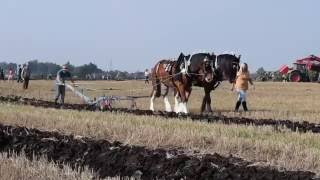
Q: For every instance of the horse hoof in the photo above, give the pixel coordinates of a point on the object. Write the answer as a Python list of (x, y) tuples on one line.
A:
[(206, 112), (182, 114)]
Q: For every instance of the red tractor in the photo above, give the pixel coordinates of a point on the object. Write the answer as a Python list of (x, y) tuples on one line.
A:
[(304, 70)]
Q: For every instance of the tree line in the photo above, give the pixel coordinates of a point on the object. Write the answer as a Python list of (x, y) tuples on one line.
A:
[(90, 71)]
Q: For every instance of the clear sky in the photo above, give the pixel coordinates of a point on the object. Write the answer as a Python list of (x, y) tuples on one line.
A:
[(135, 34)]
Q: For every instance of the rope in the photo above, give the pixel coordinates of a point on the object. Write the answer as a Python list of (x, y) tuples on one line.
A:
[(147, 88), (197, 74), (140, 89)]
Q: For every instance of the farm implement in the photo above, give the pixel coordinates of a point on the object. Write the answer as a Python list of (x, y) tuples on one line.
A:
[(103, 103), (303, 70)]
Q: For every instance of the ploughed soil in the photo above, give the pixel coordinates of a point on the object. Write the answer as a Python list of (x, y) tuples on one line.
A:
[(291, 125), (109, 159)]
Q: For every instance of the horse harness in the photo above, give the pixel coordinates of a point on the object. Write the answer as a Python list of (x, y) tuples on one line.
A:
[(168, 66), (187, 61)]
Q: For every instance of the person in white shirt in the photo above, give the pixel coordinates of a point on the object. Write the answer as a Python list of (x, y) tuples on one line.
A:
[(62, 75), (25, 76), (146, 76)]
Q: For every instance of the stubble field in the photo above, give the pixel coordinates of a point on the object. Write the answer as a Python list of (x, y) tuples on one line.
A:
[(265, 145)]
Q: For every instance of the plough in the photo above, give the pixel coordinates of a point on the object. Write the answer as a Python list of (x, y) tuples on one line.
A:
[(104, 103)]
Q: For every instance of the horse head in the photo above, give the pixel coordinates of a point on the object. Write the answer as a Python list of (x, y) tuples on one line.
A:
[(228, 66), (202, 65)]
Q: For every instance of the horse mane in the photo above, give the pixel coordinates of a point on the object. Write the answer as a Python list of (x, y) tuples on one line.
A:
[(180, 58), (227, 55)]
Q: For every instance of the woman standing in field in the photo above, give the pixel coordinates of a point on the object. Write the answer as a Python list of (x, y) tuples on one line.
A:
[(241, 85), (10, 75)]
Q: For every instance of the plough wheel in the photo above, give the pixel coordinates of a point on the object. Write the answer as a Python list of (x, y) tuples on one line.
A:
[(295, 76)]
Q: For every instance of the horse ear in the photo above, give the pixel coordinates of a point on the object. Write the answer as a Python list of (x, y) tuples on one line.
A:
[(181, 56), (213, 56), (239, 56)]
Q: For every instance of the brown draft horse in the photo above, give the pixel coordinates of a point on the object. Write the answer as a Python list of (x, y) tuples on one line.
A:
[(180, 75)]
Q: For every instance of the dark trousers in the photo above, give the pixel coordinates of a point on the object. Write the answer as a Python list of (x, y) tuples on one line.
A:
[(25, 83), (19, 78), (146, 80), (61, 90)]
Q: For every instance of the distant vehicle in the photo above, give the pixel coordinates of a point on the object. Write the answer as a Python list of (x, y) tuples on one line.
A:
[(303, 70)]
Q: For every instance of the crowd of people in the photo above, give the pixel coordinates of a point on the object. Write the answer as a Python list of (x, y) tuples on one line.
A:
[(22, 75)]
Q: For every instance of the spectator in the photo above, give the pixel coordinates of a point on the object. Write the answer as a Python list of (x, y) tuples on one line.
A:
[(19, 71), (146, 76), (10, 75), (25, 76)]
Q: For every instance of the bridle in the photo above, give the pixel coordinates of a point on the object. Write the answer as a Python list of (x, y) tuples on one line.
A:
[(208, 62)]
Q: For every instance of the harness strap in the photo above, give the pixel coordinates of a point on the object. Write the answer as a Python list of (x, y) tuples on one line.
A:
[(217, 85), (216, 62), (157, 69), (186, 65)]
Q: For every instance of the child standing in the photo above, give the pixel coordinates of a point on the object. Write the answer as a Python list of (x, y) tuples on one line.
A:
[(241, 85)]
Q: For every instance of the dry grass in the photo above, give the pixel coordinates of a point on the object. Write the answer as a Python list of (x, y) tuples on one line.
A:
[(294, 101), (19, 167), (286, 149)]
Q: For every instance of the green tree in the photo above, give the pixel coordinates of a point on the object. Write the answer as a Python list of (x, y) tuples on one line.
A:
[(261, 71)]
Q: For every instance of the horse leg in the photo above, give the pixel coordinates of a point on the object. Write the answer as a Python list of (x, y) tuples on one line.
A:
[(166, 101), (204, 103), (208, 103), (156, 90), (176, 102), (183, 105), (153, 96), (188, 93)]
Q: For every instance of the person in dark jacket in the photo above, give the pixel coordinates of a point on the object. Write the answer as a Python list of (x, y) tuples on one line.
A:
[(1, 74), (62, 76), (19, 72)]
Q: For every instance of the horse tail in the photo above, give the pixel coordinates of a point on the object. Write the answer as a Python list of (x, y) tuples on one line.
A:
[(156, 83)]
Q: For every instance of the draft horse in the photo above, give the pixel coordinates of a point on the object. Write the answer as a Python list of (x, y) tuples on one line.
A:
[(179, 75), (227, 66)]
